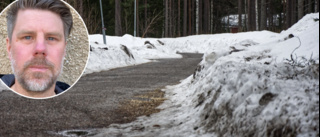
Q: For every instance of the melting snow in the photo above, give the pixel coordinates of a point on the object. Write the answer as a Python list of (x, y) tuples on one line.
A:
[(254, 92)]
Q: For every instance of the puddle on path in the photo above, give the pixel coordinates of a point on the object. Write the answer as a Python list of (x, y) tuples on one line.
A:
[(77, 133)]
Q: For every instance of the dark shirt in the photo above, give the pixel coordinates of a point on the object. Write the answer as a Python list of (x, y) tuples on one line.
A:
[(10, 79)]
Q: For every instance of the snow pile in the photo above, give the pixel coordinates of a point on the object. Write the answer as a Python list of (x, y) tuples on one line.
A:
[(219, 42), (257, 90), (256, 100), (124, 51), (2, 86), (103, 57), (106, 57), (308, 22), (146, 48)]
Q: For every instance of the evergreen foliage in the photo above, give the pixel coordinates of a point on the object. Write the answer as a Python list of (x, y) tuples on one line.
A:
[(175, 18)]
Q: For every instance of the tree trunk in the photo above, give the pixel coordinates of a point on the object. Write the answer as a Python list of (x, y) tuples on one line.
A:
[(190, 17), (271, 21), (212, 17), (289, 14), (257, 11), (170, 19), (197, 17), (246, 15), (280, 22), (294, 12), (310, 6), (240, 15), (251, 15), (118, 27), (193, 17), (200, 16), (206, 17), (300, 9), (179, 18), (263, 15), (185, 17), (166, 19), (138, 20), (145, 16), (173, 18), (317, 6)]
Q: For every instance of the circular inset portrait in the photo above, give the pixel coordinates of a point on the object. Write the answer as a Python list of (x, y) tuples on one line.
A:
[(44, 47)]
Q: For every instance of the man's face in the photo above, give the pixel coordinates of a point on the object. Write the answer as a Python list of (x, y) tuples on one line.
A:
[(37, 49)]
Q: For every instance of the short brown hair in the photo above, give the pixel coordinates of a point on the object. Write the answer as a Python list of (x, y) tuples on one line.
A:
[(55, 6)]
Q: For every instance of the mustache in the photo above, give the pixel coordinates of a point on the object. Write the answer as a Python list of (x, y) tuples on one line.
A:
[(39, 62)]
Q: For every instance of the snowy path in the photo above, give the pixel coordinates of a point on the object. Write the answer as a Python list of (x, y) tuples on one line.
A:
[(92, 101)]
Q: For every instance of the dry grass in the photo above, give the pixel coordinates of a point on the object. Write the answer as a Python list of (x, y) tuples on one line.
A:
[(141, 105)]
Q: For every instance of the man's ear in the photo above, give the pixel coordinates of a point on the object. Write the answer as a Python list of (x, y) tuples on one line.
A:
[(8, 47)]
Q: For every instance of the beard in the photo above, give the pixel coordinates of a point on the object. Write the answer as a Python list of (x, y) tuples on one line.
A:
[(36, 81)]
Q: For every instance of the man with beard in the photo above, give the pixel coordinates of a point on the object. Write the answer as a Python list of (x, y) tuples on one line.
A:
[(36, 45)]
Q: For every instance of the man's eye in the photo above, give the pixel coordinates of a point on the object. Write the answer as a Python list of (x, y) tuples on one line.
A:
[(51, 38), (28, 37)]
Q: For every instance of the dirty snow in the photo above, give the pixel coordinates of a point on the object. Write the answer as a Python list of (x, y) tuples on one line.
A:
[(2, 86), (254, 92), (106, 57), (258, 91)]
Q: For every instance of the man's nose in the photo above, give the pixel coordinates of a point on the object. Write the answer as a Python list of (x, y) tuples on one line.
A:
[(40, 47)]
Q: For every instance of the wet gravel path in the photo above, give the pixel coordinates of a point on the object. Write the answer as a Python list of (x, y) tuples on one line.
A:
[(92, 102)]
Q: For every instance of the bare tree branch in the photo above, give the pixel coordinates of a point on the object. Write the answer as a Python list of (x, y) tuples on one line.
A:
[(153, 21)]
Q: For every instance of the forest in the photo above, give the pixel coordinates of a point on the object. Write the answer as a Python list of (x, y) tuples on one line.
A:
[(176, 18)]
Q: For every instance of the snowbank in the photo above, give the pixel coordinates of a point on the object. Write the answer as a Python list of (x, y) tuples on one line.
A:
[(2, 87), (124, 51), (106, 57), (260, 90), (218, 42)]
